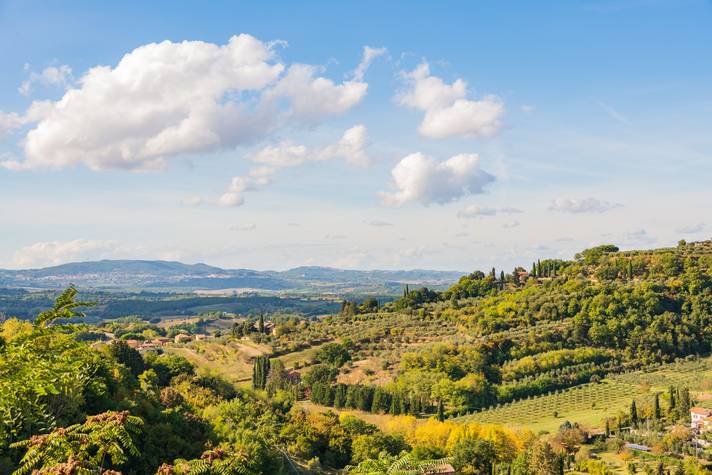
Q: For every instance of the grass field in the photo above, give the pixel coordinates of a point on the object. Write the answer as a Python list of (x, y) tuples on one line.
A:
[(233, 360), (589, 404)]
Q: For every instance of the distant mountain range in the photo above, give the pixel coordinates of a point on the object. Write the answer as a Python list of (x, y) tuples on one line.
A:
[(170, 275)]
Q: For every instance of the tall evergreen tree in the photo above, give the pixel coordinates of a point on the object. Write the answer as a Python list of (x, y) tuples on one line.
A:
[(685, 402), (671, 399), (260, 371), (441, 411), (633, 414), (656, 407)]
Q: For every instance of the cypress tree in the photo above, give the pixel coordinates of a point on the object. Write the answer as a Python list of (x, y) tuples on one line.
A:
[(376, 403), (501, 276), (261, 326), (671, 397), (633, 414), (685, 402), (656, 407), (441, 411), (608, 428)]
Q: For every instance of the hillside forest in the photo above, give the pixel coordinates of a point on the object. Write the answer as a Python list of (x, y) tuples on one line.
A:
[(401, 386)]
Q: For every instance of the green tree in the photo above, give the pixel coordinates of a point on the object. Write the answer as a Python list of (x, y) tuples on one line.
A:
[(543, 460), (65, 307), (127, 356), (473, 456), (260, 371), (103, 441)]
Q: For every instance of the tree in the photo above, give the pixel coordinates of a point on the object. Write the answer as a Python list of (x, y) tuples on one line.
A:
[(127, 356), (633, 414), (656, 407), (260, 371), (401, 464), (261, 324), (103, 441), (333, 354), (543, 460), (441, 410), (64, 307), (685, 403), (473, 456)]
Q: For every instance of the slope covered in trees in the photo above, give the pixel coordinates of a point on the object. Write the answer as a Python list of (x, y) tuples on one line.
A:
[(561, 324)]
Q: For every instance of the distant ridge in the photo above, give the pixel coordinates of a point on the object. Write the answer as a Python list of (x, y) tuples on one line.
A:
[(173, 275)]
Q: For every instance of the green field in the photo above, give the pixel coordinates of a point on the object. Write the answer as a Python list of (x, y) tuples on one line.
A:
[(589, 404)]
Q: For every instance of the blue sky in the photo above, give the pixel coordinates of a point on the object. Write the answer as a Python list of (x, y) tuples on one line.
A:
[(481, 134)]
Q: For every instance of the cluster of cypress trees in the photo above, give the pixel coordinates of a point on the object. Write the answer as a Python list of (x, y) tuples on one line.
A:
[(548, 270), (260, 371), (367, 398)]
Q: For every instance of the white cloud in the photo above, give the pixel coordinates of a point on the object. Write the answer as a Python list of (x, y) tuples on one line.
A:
[(315, 97), (9, 122), (50, 76), (448, 112), (273, 158), (369, 54), (510, 224), (243, 227), (527, 108), (423, 179), (378, 223), (58, 252), (510, 210), (582, 205), (474, 211), (166, 99), (192, 200), (691, 229)]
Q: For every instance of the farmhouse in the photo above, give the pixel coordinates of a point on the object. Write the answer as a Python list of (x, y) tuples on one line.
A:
[(701, 418), (182, 338)]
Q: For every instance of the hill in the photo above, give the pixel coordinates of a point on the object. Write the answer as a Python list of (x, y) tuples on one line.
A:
[(169, 275)]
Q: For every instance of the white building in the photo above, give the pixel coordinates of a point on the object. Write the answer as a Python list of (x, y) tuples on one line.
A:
[(701, 418)]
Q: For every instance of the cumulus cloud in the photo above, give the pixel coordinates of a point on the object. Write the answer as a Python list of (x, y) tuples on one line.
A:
[(369, 54), (273, 158), (313, 97), (474, 211), (691, 229), (426, 180), (50, 76), (58, 252), (448, 111), (582, 205), (166, 99)]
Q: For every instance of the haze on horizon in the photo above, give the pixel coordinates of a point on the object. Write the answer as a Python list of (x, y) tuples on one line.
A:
[(352, 135)]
